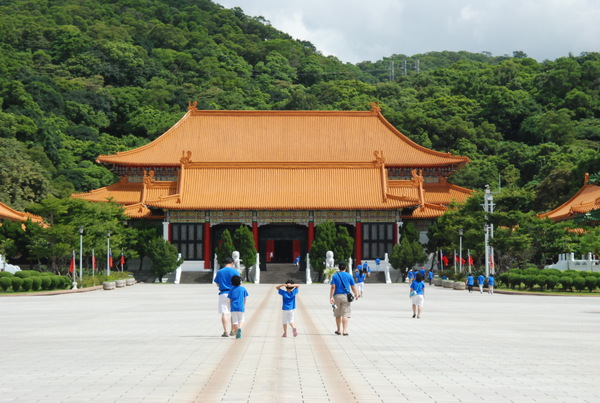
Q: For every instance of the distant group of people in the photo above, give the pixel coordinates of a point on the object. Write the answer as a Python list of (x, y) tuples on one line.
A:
[(491, 282)]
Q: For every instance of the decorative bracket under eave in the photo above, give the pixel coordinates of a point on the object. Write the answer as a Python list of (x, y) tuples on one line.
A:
[(380, 163), (417, 177)]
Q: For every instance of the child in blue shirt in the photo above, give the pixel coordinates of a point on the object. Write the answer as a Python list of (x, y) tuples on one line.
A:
[(470, 281), (237, 295), (480, 282), (417, 295), (289, 304), (491, 284)]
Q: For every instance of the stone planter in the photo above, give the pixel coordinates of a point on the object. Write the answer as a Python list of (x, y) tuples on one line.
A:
[(447, 283), (437, 282), (120, 283), (459, 285), (129, 281), (108, 285)]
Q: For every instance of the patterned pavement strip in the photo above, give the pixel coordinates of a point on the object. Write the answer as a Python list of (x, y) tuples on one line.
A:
[(161, 343)]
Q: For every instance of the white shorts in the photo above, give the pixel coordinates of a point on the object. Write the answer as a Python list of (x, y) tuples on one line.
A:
[(224, 303), (360, 286), (287, 316), (237, 318), (418, 300)]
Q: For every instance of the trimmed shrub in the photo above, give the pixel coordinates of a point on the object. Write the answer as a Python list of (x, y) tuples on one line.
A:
[(57, 282), (579, 283), (46, 282), (67, 282), (515, 271), (515, 280), (551, 282), (5, 283), (529, 280), (591, 282), (531, 271), (5, 274), (551, 272), (16, 283), (540, 281), (566, 282), (37, 283), (27, 273), (503, 278), (27, 284)]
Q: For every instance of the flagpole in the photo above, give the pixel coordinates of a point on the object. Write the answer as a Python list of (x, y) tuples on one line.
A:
[(454, 260), (93, 263), (469, 255)]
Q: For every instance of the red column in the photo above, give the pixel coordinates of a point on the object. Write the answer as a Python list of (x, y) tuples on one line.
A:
[(207, 243), (311, 233), (255, 234), (358, 243), (395, 233)]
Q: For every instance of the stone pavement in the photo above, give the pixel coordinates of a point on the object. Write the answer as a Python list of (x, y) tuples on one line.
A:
[(161, 343)]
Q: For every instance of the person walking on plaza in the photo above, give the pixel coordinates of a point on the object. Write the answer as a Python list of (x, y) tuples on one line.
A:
[(237, 295), (341, 284), (470, 281), (411, 276), (360, 276), (430, 275), (223, 281), (417, 295), (480, 282), (289, 305), (491, 283)]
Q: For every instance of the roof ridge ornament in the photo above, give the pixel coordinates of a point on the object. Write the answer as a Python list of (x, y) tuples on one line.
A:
[(193, 106), (379, 158), (186, 157), (376, 107)]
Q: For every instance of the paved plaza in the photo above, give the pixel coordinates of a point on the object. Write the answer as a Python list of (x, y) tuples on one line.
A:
[(161, 343)]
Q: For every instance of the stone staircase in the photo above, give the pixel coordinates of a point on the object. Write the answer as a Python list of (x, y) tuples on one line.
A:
[(278, 273)]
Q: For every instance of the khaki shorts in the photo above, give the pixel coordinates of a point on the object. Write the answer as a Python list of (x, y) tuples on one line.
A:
[(287, 316), (343, 307)]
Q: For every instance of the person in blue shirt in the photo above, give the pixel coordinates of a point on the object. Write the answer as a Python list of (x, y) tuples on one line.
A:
[(341, 285), (430, 275), (289, 305), (223, 281), (237, 295), (422, 272), (480, 282), (491, 284), (359, 277), (470, 281), (417, 295), (410, 276), (297, 261)]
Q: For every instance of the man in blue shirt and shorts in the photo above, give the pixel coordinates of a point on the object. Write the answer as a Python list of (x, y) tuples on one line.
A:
[(341, 284), (223, 281)]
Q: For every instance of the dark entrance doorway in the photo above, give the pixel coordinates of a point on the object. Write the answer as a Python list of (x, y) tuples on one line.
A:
[(282, 243)]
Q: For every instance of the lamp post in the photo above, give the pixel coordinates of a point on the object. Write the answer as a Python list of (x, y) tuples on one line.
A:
[(108, 253), (80, 252), (460, 233)]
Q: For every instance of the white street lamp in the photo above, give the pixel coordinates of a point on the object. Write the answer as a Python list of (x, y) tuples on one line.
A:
[(80, 252), (108, 253)]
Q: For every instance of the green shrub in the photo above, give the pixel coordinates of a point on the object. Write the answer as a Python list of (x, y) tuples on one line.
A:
[(591, 282), (27, 284), (27, 273), (540, 281), (579, 283), (503, 278), (5, 283), (37, 283), (551, 282), (515, 271), (67, 282), (16, 283), (57, 282), (515, 280), (551, 272), (529, 280), (6, 274), (566, 282), (46, 282), (531, 271)]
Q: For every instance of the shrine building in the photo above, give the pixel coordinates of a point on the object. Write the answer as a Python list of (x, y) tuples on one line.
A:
[(10, 214), (281, 173)]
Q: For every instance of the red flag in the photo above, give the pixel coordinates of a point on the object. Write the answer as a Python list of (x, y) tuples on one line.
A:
[(93, 261), (110, 262), (471, 260), (122, 259), (492, 260), (72, 265)]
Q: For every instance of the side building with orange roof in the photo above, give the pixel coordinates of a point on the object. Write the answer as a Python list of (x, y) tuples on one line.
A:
[(7, 213), (586, 200), (281, 173)]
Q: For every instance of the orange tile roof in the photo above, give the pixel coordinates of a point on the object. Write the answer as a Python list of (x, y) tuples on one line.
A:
[(445, 193), (260, 188), (128, 193), (586, 199), (8, 213), (283, 136)]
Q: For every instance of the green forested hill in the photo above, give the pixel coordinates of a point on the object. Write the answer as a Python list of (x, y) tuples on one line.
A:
[(83, 78)]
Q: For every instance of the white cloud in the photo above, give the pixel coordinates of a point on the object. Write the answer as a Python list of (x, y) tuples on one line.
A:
[(354, 30)]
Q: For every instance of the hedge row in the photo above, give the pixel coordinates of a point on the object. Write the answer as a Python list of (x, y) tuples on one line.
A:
[(31, 280), (550, 279)]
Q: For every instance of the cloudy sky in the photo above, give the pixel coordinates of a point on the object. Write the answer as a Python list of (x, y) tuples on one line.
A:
[(358, 30)]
